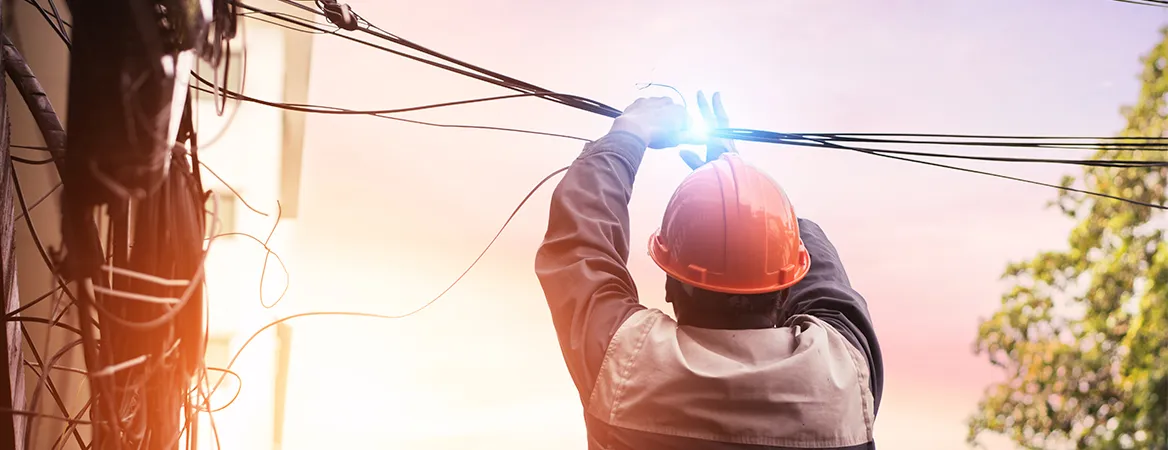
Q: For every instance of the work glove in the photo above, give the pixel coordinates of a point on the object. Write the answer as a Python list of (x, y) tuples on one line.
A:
[(715, 118), (658, 121)]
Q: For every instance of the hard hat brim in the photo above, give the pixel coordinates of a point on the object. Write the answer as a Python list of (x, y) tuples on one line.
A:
[(660, 256)]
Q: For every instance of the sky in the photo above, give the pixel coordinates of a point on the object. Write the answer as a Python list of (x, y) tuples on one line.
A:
[(391, 213)]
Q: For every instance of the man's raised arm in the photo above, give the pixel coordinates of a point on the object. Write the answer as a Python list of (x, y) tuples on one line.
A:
[(581, 264)]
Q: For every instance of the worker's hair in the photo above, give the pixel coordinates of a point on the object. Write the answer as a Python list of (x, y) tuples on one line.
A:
[(697, 299)]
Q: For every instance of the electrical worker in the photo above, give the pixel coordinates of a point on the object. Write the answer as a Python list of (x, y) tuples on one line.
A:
[(771, 348)]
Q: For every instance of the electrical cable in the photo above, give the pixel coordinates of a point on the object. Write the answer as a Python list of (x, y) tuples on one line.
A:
[(441, 294), (47, 16), (41, 200), (331, 109), (226, 124), (54, 135), (760, 136), (788, 138), (42, 320), (31, 162), (61, 368), (510, 82), (165, 318), (300, 107), (1117, 143), (221, 105), (52, 132), (32, 303), (237, 390), (1007, 177), (73, 426), (505, 81), (97, 387), (252, 16), (201, 383), (21, 412), (36, 238), (57, 15), (226, 74), (44, 380), (242, 85), (799, 139), (471, 71), (1145, 2), (232, 189), (267, 253)]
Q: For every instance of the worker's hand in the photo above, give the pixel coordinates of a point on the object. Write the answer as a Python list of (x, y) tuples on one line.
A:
[(715, 118), (657, 121)]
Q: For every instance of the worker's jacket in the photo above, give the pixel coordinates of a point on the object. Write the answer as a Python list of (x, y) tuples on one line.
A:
[(648, 383)]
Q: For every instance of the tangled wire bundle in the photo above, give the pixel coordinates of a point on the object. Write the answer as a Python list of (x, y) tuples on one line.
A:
[(136, 285)]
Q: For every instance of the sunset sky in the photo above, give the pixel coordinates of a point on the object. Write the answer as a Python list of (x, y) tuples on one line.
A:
[(392, 213)]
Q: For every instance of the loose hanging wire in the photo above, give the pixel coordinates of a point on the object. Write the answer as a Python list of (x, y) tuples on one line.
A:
[(412, 312)]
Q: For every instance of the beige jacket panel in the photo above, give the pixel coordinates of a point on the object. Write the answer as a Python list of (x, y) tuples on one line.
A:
[(802, 385)]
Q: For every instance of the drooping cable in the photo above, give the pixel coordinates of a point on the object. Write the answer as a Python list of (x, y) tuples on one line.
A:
[(412, 312), (384, 114), (451, 64)]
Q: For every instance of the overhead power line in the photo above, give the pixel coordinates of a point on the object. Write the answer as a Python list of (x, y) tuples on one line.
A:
[(839, 141), (1160, 3), (798, 139), (384, 114), (1100, 143), (822, 140), (513, 83)]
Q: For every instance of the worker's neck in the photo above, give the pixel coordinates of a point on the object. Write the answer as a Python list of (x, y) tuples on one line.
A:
[(715, 321)]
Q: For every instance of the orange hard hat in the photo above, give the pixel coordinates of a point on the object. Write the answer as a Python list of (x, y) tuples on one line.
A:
[(730, 228)]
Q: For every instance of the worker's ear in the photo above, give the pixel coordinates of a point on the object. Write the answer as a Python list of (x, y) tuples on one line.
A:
[(692, 159)]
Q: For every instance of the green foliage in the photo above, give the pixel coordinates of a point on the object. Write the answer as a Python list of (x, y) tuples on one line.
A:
[(1083, 335)]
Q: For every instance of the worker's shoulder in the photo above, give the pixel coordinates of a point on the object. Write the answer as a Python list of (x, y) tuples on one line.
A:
[(660, 377), (798, 327), (805, 350), (806, 341)]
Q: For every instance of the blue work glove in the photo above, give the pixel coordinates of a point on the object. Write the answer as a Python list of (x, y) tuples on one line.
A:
[(715, 118)]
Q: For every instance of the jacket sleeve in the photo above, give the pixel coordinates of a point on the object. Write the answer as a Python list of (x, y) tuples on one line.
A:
[(581, 264), (826, 293)]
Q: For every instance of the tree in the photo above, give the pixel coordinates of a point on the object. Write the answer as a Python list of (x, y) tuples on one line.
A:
[(1083, 334)]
